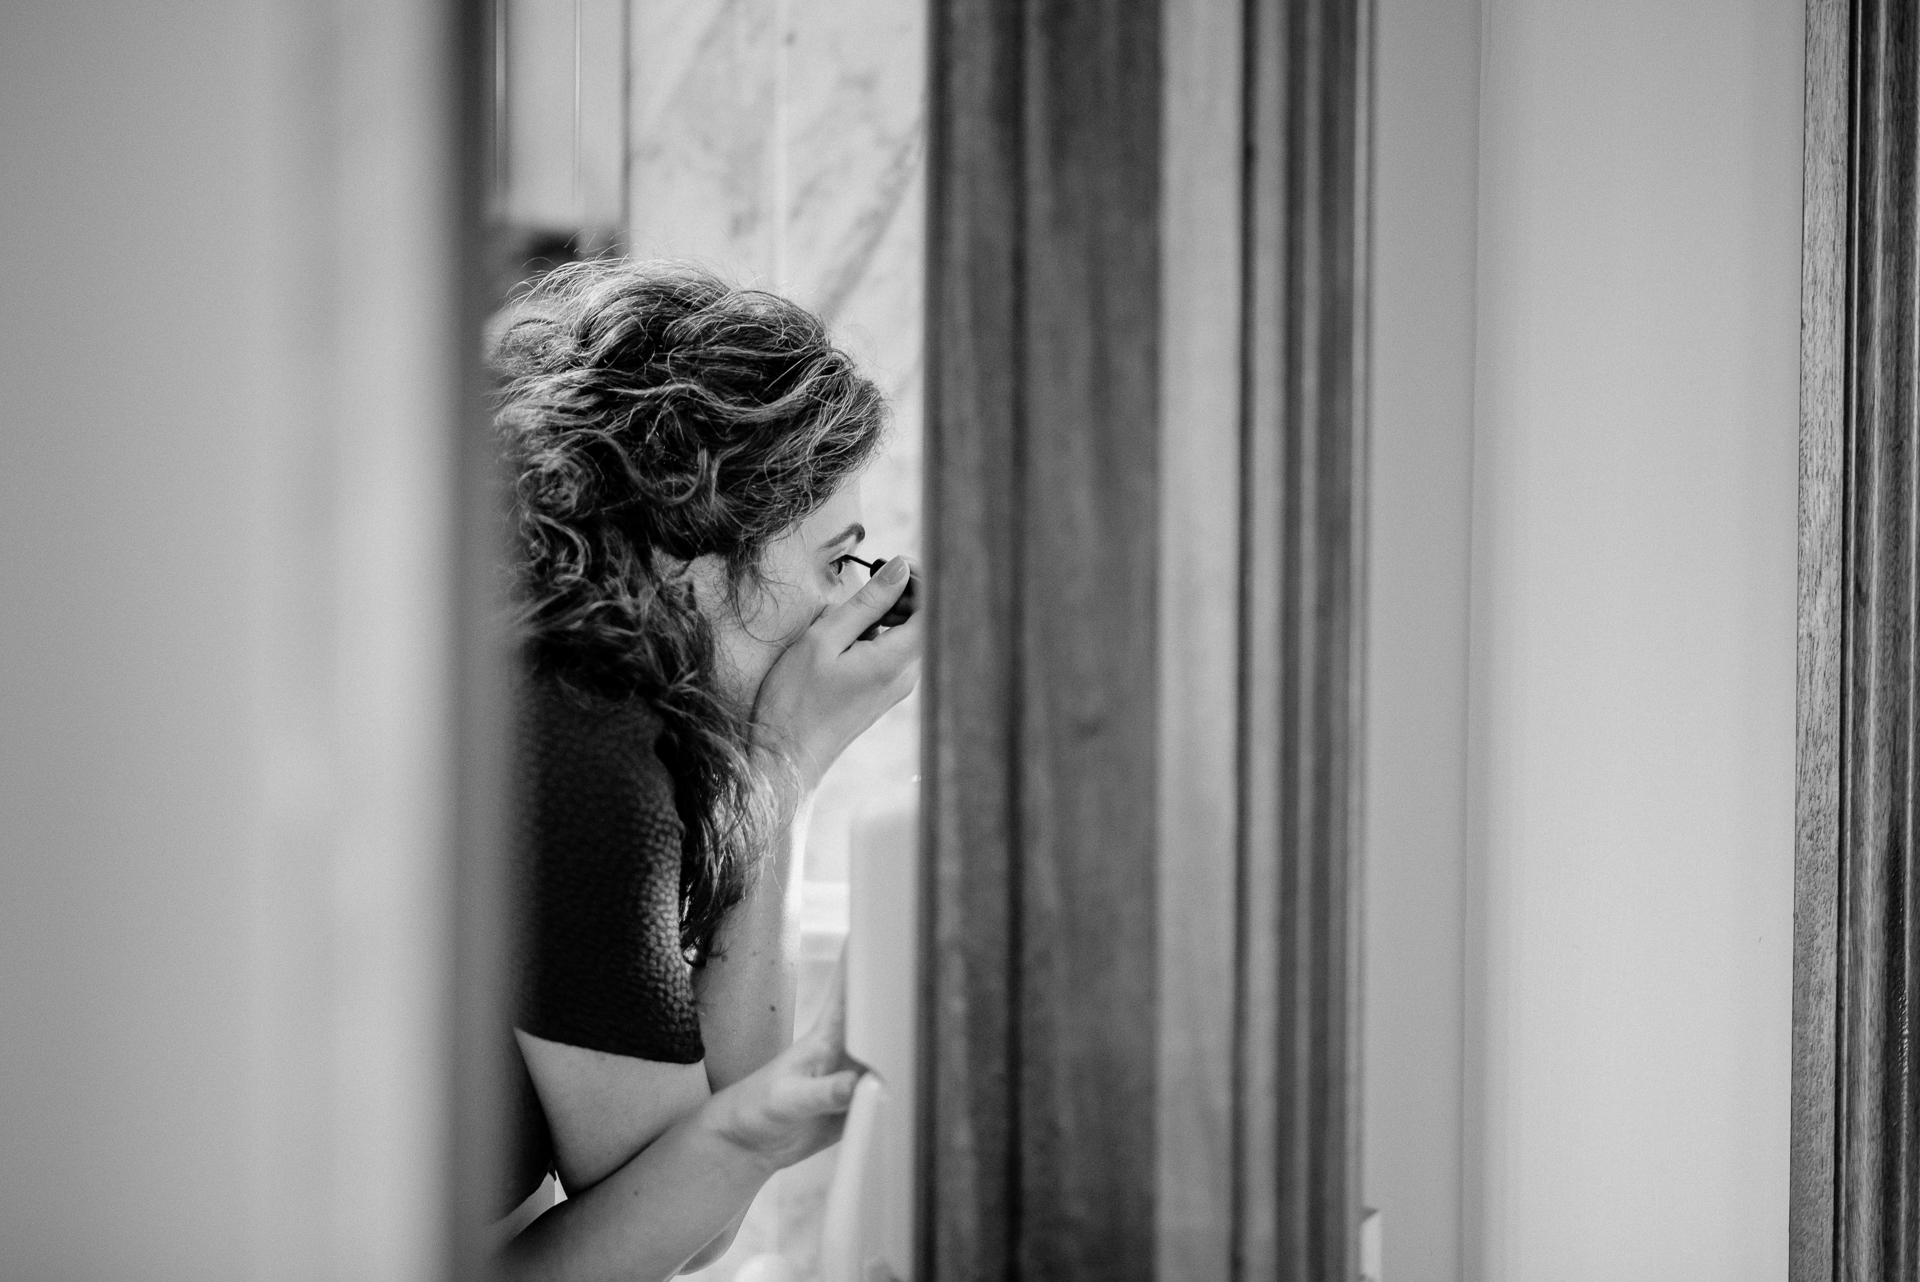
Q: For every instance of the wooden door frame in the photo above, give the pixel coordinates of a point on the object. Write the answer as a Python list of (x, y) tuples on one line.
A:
[(1141, 916), (1855, 1184)]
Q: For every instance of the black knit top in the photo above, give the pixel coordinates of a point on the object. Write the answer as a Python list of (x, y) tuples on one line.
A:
[(596, 889)]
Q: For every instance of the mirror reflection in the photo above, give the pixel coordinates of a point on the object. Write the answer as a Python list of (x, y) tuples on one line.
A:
[(707, 223)]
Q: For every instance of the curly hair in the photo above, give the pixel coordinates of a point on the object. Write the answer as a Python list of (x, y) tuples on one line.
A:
[(649, 409)]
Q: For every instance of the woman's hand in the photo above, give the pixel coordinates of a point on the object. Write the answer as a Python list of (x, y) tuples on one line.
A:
[(796, 1105), (830, 685)]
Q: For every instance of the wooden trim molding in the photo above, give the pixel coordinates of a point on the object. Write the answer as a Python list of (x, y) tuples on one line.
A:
[(1303, 512), (1855, 1210), (1141, 892), (1202, 422), (1041, 457)]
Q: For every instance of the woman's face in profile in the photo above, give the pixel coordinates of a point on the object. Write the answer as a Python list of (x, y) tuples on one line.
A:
[(802, 575)]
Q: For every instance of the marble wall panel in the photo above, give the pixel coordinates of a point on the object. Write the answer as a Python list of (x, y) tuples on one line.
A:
[(704, 170), (783, 142)]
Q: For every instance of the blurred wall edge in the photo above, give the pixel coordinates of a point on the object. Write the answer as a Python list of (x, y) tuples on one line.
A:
[(224, 637)]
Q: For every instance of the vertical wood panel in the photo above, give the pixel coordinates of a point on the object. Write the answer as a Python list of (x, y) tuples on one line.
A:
[(1309, 99), (974, 440), (1099, 984), (1856, 1171), (1258, 1178), (1201, 267), (1042, 449), (1816, 857), (1089, 675), (1875, 920)]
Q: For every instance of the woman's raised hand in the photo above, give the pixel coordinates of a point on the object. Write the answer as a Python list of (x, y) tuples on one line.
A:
[(830, 685), (796, 1105)]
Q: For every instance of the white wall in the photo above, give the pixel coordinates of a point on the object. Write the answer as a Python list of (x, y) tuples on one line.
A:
[(1632, 683), (1426, 135), (222, 562)]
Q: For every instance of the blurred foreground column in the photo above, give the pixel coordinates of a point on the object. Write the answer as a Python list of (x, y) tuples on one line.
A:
[(230, 359)]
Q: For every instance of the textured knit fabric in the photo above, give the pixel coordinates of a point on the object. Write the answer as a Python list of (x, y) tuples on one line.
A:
[(597, 889)]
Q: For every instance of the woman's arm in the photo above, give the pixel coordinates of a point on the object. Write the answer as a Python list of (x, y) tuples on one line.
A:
[(601, 1108), (745, 991), (645, 1214), (825, 690), (648, 1218)]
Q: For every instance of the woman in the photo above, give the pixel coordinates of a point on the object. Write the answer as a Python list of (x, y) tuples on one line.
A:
[(697, 652)]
